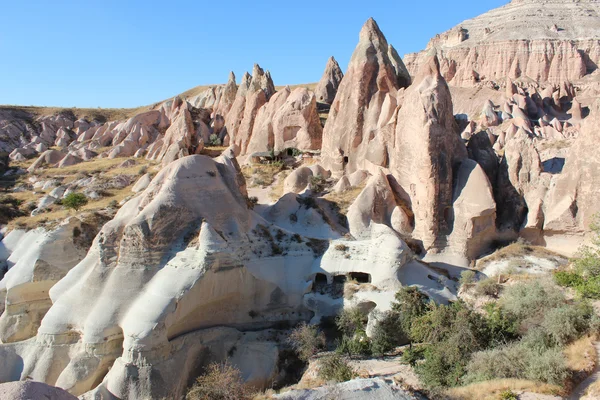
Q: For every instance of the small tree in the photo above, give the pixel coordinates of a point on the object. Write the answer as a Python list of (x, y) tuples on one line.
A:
[(75, 201), (221, 381), (335, 368), (306, 340)]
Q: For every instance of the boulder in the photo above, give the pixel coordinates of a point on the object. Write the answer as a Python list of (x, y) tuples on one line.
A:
[(47, 158), (142, 183), (30, 390)]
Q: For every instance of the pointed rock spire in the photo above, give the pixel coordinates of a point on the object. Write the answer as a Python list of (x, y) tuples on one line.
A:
[(245, 85), (330, 81), (363, 106)]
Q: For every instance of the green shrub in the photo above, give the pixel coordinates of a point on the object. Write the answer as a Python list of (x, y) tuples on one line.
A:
[(9, 208), (537, 339), (75, 201), (317, 183), (502, 326), (499, 363), (221, 381), (568, 279), (467, 277), (549, 366), (413, 354), (517, 361), (335, 368), (351, 320), (387, 334), (508, 395), (488, 287), (306, 340), (529, 300), (214, 140), (566, 323), (410, 304), (358, 344), (443, 366), (587, 262)]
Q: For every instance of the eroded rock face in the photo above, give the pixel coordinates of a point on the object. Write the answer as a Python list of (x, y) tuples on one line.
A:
[(358, 131), (572, 202), (427, 150), (517, 41), (36, 261), (330, 81), (135, 318)]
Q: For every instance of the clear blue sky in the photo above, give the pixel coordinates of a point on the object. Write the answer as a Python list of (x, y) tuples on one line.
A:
[(108, 53)]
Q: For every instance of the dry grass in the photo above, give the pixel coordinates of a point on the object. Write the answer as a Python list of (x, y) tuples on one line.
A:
[(106, 166), (353, 287), (554, 144), (261, 174), (490, 390), (345, 199), (581, 355), (213, 151), (516, 250), (58, 213)]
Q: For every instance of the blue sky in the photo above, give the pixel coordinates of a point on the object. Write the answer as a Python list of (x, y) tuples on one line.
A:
[(92, 53)]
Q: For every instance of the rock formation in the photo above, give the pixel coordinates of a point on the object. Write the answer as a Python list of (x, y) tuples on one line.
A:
[(427, 150), (29, 390), (572, 202), (329, 83), (171, 266), (545, 41), (358, 129)]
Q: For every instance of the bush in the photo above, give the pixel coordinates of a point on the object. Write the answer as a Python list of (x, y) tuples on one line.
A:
[(587, 262), (317, 183), (500, 363), (568, 279), (502, 326), (357, 344), (528, 301), (410, 304), (214, 140), (221, 381), (488, 287), (351, 320), (9, 208), (517, 361), (251, 202), (306, 340), (75, 201), (412, 355), (335, 368), (443, 366), (508, 395), (549, 366), (387, 334), (567, 323), (467, 277)]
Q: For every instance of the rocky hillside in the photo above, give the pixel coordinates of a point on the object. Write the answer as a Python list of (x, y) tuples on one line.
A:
[(534, 40), (141, 247)]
